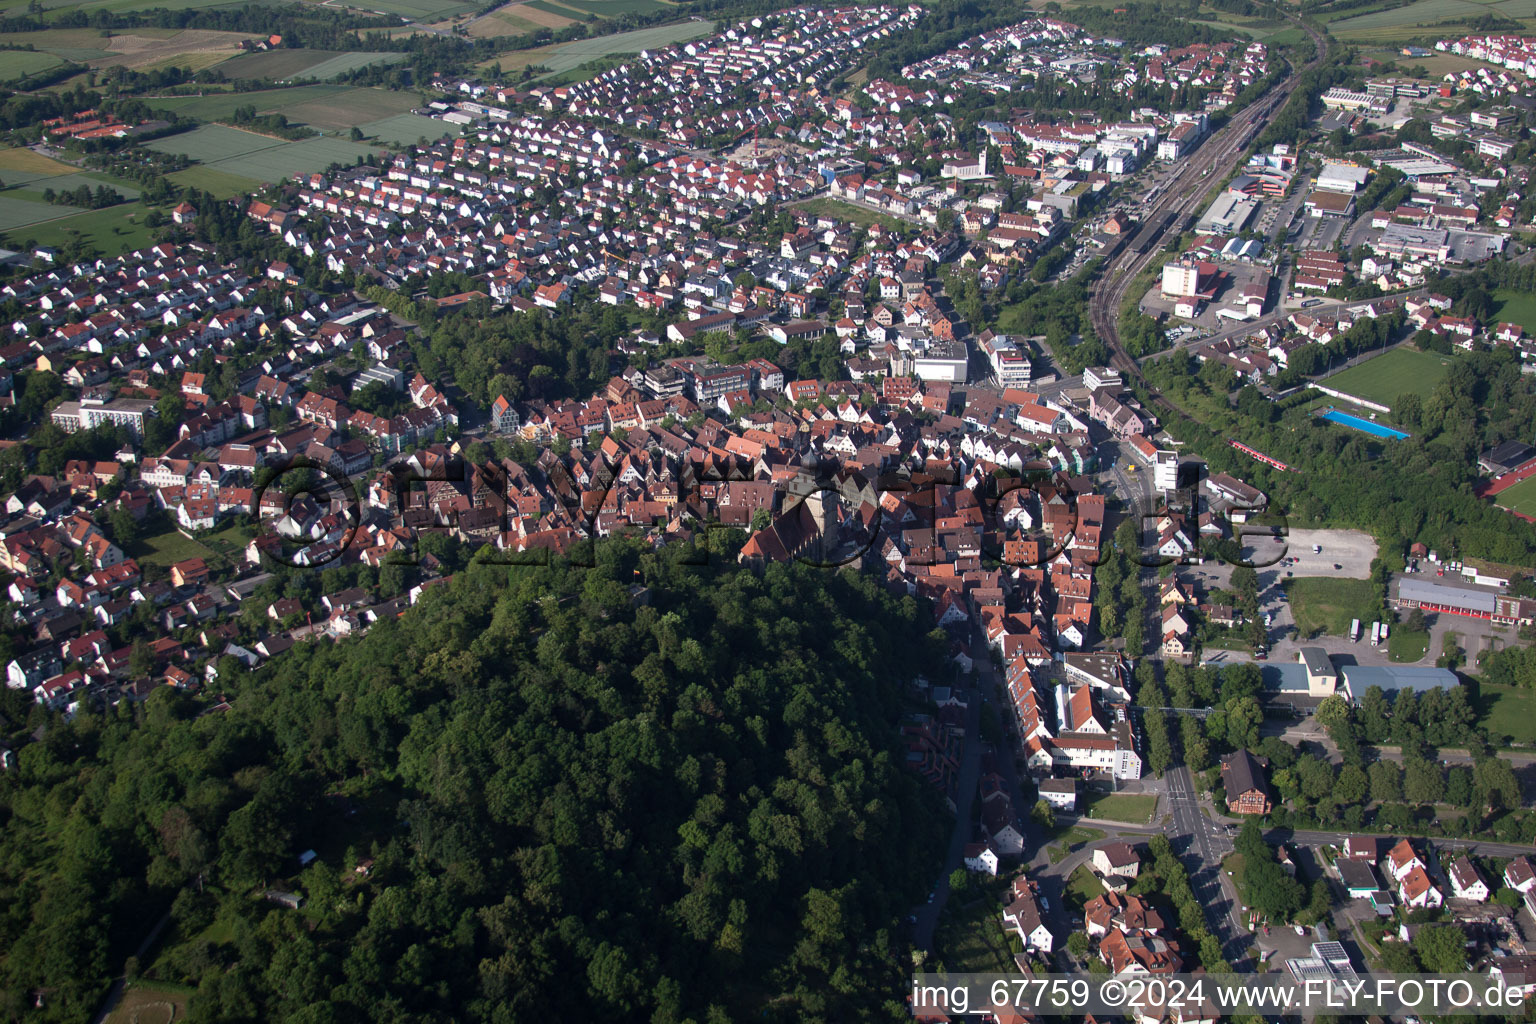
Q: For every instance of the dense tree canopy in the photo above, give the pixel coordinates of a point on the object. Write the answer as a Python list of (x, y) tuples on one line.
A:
[(577, 805)]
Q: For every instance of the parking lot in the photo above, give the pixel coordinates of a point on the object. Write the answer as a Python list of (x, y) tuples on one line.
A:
[(1350, 550)]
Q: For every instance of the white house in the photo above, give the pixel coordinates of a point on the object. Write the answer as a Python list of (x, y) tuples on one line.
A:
[(1023, 916), (1418, 891), (1466, 882), (1519, 875), (981, 858)]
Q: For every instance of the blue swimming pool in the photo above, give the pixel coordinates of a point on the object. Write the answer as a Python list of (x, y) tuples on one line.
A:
[(1366, 426)]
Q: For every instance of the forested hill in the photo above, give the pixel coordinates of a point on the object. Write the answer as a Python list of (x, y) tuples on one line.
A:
[(576, 806)]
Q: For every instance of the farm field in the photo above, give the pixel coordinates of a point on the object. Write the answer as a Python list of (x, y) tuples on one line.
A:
[(1392, 374), (350, 107), (1326, 604), (248, 155), (74, 179), (283, 65), (1416, 18), (416, 10), (18, 65), (614, 8), (405, 129), (1517, 308), (114, 231), (516, 19), (326, 107), (569, 56), (1520, 498), (19, 166), (215, 182), (17, 212)]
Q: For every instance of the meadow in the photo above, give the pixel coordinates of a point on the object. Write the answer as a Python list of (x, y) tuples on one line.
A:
[(231, 151), (320, 65), (114, 230), (1420, 18), (1326, 604), (1392, 374), (405, 129), (19, 65), (569, 56), (1517, 308)]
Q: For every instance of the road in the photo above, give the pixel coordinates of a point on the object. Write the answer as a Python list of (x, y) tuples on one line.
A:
[(1181, 194), (1202, 843)]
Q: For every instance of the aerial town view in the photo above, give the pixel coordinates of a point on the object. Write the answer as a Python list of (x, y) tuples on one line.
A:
[(714, 512)]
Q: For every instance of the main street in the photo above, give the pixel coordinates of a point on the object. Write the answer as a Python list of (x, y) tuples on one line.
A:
[(1202, 843)]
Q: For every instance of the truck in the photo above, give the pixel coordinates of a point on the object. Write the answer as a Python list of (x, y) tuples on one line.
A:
[(1385, 629), (1354, 630), (1375, 634)]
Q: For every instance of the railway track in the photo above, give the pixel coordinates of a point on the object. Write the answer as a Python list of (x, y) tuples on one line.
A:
[(1174, 203)]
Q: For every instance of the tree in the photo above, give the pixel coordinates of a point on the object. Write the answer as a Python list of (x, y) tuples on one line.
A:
[(1386, 782), (1244, 716), (1043, 814), (1077, 944), (1441, 948), (1422, 782), (1351, 786)]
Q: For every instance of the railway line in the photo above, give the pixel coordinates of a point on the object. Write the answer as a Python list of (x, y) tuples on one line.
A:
[(1171, 208)]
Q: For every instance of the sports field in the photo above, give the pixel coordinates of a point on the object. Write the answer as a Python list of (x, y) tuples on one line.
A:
[(1519, 498), (1392, 374)]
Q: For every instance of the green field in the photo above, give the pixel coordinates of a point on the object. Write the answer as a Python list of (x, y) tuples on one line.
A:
[(219, 105), (168, 548), (18, 65), (248, 155), (1384, 378), (355, 106), (70, 182), (1326, 604), (1521, 497), (215, 182), (416, 10), (614, 8), (1420, 18), (1516, 308), (1133, 808), (572, 55), (320, 65), (18, 212), (1406, 646), (115, 230), (852, 214), (405, 129), (1507, 711)]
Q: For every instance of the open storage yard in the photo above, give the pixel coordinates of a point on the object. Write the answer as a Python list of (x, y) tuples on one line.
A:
[(1392, 374)]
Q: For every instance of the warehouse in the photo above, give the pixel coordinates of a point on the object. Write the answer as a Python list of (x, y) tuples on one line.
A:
[(1460, 599)]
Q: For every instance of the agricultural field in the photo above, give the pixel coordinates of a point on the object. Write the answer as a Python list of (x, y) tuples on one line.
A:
[(1519, 498), (16, 66), (248, 155), (1392, 374), (356, 106), (18, 212), (73, 179), (21, 166), (150, 1003), (216, 106), (114, 231), (1422, 17), (218, 183), (569, 56), (614, 8), (325, 107), (320, 65), (505, 21), (414, 10), (405, 129)]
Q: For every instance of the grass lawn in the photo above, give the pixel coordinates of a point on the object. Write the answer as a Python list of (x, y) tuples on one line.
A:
[(1129, 807), (167, 548), (971, 939), (23, 165), (151, 1003), (18, 65), (1403, 645), (852, 214), (1516, 307), (1521, 497), (1392, 374), (1083, 886), (1077, 834), (221, 184), (1507, 711), (1325, 604), (114, 230)]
